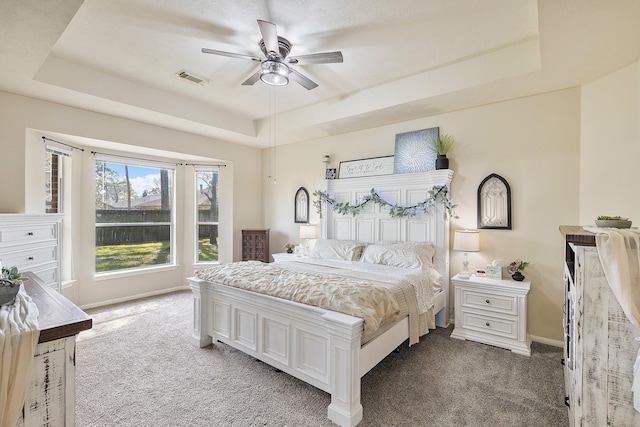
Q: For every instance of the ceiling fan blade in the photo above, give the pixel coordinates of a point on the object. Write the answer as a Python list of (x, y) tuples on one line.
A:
[(269, 36), (316, 58), (230, 54), (252, 79), (305, 82)]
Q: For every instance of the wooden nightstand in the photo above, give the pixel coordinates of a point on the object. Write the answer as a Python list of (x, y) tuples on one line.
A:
[(492, 311)]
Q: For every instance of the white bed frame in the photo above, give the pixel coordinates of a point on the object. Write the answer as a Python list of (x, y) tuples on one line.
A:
[(322, 347)]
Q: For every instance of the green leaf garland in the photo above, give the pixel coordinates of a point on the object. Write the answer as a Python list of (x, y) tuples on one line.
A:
[(436, 195)]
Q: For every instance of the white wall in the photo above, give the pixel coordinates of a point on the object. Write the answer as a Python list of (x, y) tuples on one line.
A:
[(610, 146), (532, 142), (22, 187)]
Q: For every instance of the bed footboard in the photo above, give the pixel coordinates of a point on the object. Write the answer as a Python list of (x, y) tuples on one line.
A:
[(317, 346)]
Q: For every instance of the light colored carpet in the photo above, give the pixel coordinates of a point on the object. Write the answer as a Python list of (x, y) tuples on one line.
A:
[(136, 367)]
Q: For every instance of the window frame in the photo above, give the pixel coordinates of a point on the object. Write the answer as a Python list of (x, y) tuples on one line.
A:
[(56, 188), (152, 164), (197, 223)]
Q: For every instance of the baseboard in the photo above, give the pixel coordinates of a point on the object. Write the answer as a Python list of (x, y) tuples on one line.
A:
[(547, 341), (134, 297)]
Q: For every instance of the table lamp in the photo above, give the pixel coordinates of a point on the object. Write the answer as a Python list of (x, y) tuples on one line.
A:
[(308, 232), (466, 241)]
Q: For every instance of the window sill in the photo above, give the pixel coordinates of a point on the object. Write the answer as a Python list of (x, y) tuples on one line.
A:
[(67, 283), (132, 272)]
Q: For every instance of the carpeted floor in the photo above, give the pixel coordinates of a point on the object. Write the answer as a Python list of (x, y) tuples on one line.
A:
[(136, 367)]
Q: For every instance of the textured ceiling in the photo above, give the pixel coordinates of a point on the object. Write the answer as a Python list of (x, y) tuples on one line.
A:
[(402, 59)]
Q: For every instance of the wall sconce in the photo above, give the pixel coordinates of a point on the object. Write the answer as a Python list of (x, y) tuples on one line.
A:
[(326, 160), (466, 241)]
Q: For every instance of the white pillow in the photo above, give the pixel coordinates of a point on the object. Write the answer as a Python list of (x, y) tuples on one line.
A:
[(346, 250), (405, 255)]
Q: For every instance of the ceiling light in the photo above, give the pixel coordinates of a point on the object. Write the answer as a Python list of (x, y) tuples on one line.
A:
[(274, 73)]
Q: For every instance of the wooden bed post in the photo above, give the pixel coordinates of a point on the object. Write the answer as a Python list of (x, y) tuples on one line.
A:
[(345, 334), (200, 336)]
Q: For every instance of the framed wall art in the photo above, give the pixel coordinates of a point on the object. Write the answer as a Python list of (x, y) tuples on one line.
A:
[(301, 206), (414, 153), (494, 203), (366, 167)]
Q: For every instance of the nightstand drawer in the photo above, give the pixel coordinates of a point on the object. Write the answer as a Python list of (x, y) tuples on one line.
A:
[(490, 325), (485, 301)]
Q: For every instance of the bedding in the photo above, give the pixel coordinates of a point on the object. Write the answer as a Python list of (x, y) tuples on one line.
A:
[(403, 255), (377, 293), (345, 250)]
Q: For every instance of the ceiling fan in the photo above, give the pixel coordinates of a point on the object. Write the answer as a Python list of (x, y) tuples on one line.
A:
[(276, 69)]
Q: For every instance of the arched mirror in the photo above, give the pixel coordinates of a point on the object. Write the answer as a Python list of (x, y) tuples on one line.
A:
[(494, 203), (301, 206)]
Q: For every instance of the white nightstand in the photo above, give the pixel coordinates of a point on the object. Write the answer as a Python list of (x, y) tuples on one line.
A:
[(283, 256), (492, 311)]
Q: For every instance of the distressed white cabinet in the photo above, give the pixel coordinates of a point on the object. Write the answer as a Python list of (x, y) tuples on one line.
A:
[(50, 398), (492, 311), (32, 243), (600, 345)]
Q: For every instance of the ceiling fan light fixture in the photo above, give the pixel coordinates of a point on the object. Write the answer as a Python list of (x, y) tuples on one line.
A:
[(274, 73)]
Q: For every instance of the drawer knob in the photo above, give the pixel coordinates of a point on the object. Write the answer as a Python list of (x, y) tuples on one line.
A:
[(487, 301), (30, 233), (488, 324), (30, 258)]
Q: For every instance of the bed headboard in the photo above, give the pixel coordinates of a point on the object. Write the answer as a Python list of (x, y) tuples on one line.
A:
[(373, 223)]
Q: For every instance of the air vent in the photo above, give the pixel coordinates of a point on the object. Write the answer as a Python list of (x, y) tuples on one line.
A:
[(188, 75)]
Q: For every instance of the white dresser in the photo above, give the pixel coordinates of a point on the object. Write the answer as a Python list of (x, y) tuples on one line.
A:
[(32, 243), (492, 311), (600, 345)]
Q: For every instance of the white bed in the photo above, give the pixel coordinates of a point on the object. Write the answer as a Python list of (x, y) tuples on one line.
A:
[(319, 346)]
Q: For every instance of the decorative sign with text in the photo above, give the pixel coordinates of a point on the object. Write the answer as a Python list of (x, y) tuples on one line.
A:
[(366, 167)]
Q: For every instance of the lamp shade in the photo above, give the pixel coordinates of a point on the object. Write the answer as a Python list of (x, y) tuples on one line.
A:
[(466, 241), (308, 232)]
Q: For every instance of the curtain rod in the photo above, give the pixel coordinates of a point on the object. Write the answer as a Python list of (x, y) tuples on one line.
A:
[(44, 138), (134, 158), (203, 165)]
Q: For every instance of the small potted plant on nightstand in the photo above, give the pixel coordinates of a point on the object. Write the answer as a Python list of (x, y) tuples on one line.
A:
[(515, 269), (289, 247)]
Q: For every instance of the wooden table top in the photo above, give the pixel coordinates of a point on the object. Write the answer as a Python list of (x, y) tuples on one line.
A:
[(58, 316), (578, 235)]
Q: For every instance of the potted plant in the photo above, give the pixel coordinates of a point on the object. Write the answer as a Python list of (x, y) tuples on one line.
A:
[(515, 269), (10, 281), (442, 145), (289, 247)]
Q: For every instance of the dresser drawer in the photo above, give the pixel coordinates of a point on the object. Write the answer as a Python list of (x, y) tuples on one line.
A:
[(507, 328), (26, 259), (487, 301), (48, 274), (27, 233)]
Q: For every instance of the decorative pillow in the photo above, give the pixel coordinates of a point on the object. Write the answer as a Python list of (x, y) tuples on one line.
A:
[(405, 255), (346, 250)]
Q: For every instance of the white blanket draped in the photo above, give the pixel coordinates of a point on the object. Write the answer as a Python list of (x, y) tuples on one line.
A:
[(618, 250), (19, 333)]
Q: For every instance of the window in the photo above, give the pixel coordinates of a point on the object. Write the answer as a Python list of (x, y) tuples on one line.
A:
[(207, 215), (134, 216), (53, 168)]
